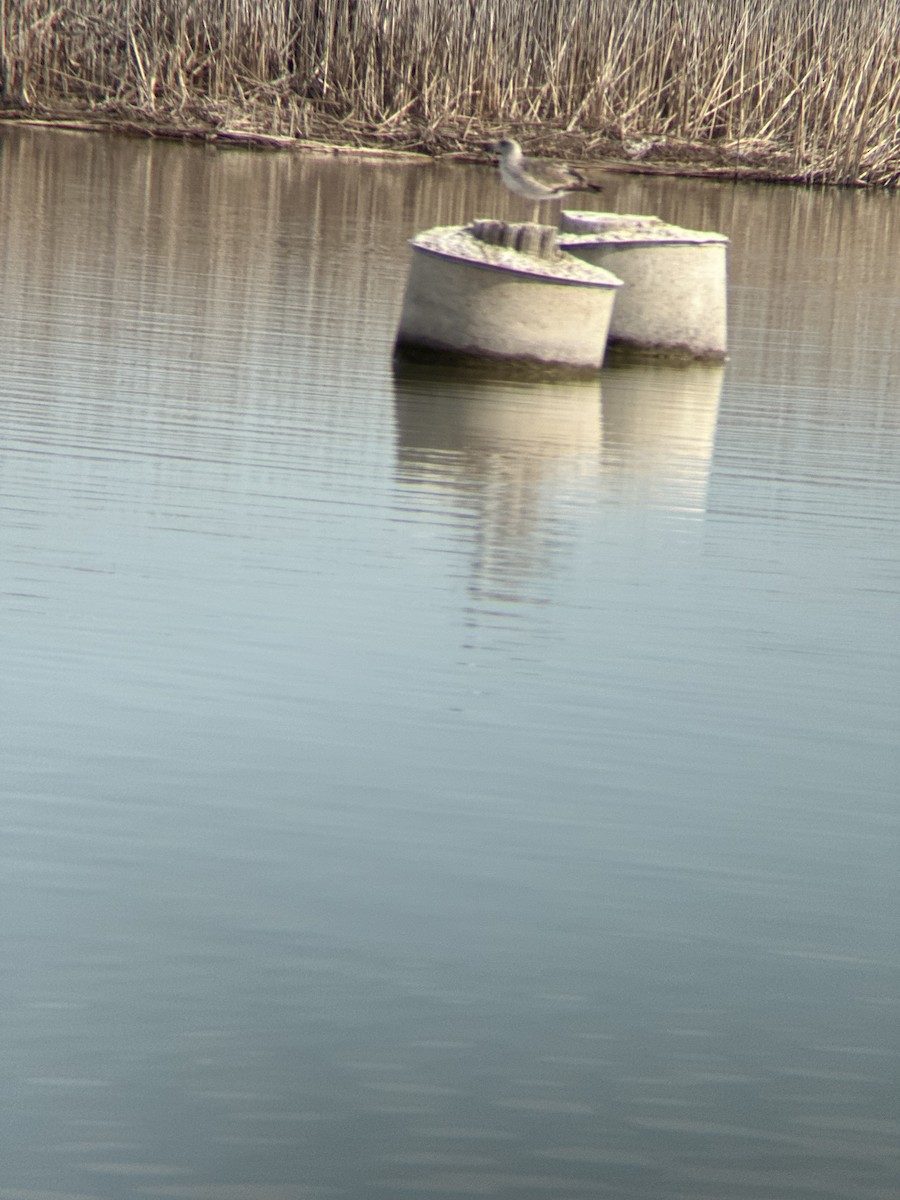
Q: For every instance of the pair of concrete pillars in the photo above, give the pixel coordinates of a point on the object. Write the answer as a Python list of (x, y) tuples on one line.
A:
[(530, 294)]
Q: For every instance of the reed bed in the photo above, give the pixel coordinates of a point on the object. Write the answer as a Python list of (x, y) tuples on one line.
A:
[(807, 90)]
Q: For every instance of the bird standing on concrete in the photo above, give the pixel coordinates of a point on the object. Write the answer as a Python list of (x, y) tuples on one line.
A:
[(538, 179)]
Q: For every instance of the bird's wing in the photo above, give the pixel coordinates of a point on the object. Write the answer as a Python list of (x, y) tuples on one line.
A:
[(580, 180)]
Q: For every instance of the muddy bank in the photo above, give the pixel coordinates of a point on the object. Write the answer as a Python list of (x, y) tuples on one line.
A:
[(228, 126)]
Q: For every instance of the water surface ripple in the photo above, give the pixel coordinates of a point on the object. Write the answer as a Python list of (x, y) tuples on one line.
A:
[(418, 783)]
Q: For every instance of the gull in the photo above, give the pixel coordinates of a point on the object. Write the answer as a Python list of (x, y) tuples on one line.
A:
[(538, 179)]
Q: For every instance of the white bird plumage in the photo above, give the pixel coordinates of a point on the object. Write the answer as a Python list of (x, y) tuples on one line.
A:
[(538, 179)]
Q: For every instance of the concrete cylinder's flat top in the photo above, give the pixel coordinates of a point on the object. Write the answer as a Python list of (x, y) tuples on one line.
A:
[(624, 229), (454, 241), (581, 221)]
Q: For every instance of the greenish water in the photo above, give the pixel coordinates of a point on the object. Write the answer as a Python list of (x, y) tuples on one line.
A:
[(418, 784)]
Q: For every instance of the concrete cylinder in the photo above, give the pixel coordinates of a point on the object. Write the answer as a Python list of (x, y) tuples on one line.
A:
[(674, 297), (472, 297)]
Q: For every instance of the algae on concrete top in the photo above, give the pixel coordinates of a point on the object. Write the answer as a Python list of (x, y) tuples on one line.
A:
[(455, 241), (584, 228)]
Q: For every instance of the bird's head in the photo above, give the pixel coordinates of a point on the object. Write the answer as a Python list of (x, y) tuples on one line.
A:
[(505, 147)]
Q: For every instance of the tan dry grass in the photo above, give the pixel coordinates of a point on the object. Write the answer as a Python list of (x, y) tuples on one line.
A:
[(818, 83)]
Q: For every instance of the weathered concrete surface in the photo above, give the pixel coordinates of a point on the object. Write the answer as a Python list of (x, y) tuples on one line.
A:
[(472, 297), (674, 297)]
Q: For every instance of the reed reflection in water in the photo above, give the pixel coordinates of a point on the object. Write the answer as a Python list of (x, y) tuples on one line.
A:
[(420, 783)]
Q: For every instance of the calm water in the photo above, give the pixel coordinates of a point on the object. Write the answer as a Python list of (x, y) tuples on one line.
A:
[(418, 785)]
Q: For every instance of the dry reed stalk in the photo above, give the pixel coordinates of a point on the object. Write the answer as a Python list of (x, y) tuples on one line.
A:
[(819, 81)]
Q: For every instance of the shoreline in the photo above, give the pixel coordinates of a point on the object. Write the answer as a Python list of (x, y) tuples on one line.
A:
[(750, 162)]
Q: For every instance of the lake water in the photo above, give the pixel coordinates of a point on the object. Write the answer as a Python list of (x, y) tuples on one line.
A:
[(430, 785)]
